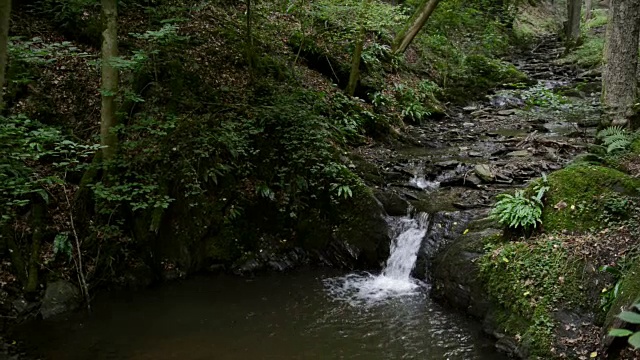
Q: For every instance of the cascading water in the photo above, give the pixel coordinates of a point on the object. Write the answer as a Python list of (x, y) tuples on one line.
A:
[(395, 280), (420, 181)]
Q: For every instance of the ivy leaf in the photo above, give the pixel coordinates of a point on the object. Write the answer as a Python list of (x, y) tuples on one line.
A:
[(634, 340), (630, 317), (620, 332)]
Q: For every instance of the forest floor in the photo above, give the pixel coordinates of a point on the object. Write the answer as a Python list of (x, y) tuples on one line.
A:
[(459, 162)]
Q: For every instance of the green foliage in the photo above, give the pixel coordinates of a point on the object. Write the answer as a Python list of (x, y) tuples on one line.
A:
[(33, 157), (62, 245), (335, 19), (608, 295), (589, 53), (28, 55), (631, 318), (66, 12), (520, 211), (616, 139), (416, 104)]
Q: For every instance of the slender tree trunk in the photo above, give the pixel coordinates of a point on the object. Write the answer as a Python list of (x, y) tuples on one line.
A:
[(5, 13), (619, 82), (108, 119), (38, 224), (354, 75), (572, 31), (588, 4), (249, 49), (404, 39), (16, 255)]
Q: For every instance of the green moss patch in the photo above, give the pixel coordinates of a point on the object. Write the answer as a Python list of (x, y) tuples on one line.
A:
[(529, 280), (579, 194), (628, 292)]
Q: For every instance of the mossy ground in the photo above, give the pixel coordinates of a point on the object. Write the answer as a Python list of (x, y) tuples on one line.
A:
[(529, 280), (580, 193), (589, 219)]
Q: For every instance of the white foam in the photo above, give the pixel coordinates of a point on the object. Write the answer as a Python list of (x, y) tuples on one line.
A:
[(395, 280)]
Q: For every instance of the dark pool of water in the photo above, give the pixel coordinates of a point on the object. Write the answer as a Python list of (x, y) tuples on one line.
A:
[(279, 316)]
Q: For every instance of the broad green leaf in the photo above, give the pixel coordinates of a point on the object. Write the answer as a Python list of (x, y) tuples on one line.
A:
[(630, 317), (634, 340), (620, 332)]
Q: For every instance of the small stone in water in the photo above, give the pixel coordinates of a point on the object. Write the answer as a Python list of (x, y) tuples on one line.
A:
[(518, 153)]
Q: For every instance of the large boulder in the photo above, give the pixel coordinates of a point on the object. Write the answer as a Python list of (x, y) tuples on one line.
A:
[(60, 297), (456, 274), (444, 228)]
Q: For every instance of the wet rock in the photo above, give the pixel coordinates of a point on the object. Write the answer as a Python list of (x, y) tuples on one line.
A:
[(471, 181), (475, 154), (484, 172), (506, 112), (470, 108), (502, 101), (478, 113), (444, 228), (449, 164), (60, 297), (456, 279), (410, 196), (392, 203), (468, 124), (518, 153)]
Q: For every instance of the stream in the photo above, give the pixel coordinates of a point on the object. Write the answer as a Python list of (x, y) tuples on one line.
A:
[(452, 169), (311, 314)]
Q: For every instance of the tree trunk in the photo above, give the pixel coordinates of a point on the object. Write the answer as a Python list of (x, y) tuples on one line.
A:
[(588, 4), (619, 83), (404, 39), (572, 31), (249, 41), (354, 75), (38, 224), (108, 119), (5, 13)]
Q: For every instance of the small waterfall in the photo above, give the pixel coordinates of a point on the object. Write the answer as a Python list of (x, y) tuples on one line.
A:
[(420, 181), (405, 246), (395, 280)]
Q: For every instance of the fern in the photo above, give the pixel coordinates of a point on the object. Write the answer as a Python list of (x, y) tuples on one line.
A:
[(616, 138), (519, 211)]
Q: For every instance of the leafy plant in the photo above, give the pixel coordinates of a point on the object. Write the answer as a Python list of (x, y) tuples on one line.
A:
[(412, 102), (615, 138), (609, 294), (62, 245), (630, 317), (32, 157), (519, 210)]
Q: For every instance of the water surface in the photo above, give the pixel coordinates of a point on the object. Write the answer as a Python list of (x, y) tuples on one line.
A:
[(304, 315), (272, 317)]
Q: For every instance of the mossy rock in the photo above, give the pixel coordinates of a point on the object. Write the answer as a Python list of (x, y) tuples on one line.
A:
[(363, 228), (578, 194), (537, 287), (628, 292), (635, 147)]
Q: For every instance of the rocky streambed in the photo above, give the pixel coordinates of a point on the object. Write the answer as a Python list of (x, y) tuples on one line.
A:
[(454, 167)]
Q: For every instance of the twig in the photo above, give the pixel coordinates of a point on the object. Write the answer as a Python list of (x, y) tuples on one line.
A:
[(527, 139), (81, 278)]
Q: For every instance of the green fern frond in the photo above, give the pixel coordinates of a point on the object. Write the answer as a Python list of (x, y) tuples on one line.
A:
[(620, 144), (611, 131)]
